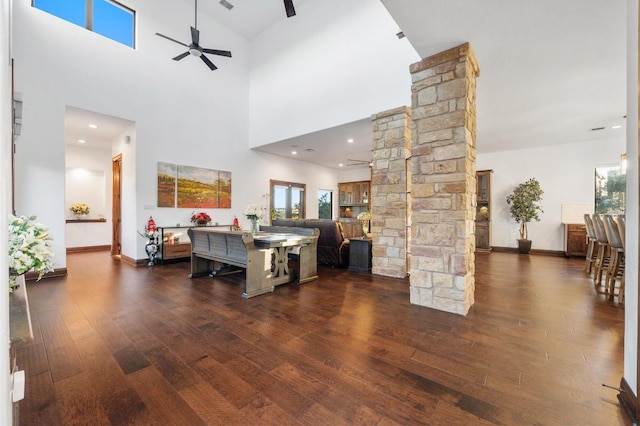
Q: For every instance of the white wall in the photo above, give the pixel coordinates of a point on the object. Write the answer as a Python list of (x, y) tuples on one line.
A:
[(5, 204), (566, 175), (183, 113), (88, 180), (631, 256), (344, 71)]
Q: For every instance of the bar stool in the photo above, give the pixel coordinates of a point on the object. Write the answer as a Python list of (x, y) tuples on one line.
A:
[(601, 263), (591, 236), (622, 226)]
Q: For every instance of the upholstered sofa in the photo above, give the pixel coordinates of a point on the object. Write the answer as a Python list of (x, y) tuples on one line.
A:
[(333, 248)]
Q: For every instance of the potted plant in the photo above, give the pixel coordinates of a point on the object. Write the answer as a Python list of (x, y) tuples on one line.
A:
[(29, 248), (524, 207)]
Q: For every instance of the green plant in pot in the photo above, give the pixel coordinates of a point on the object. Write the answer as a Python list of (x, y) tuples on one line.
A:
[(524, 205)]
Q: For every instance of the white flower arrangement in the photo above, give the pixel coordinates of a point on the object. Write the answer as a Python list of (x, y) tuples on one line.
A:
[(29, 248), (80, 209), (253, 211)]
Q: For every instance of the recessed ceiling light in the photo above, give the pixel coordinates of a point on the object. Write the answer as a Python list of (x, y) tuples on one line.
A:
[(93, 126), (294, 152), (349, 140), (617, 126), (81, 141), (340, 165)]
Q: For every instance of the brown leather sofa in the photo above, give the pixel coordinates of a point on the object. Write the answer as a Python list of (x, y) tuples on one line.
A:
[(333, 248)]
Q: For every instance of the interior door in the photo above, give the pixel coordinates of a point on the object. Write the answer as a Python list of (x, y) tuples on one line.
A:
[(116, 213)]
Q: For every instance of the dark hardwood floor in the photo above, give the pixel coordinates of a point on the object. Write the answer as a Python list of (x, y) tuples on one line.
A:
[(116, 344)]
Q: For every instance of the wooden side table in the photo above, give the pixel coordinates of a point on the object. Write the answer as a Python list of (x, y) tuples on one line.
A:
[(360, 255), (575, 240)]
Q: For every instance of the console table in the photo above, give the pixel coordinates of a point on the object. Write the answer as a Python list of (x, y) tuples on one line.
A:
[(175, 244)]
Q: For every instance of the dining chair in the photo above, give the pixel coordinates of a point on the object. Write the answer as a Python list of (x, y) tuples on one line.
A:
[(591, 236), (601, 263), (616, 265)]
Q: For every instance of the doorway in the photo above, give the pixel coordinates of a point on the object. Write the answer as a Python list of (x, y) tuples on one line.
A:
[(95, 147), (116, 212)]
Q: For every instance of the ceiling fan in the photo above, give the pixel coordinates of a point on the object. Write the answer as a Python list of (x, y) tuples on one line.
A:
[(352, 162), (195, 49)]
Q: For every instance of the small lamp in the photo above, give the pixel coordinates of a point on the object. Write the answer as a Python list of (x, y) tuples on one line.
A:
[(365, 217)]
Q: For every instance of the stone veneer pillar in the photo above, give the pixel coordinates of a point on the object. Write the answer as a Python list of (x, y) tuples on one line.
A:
[(391, 146), (443, 151)]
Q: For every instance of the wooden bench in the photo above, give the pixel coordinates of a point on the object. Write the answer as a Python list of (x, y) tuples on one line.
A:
[(235, 249)]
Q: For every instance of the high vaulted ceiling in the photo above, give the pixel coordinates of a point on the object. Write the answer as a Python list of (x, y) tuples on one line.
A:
[(551, 70)]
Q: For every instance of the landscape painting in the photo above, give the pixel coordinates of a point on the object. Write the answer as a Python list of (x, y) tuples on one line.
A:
[(166, 184), (193, 187), (197, 187), (224, 190)]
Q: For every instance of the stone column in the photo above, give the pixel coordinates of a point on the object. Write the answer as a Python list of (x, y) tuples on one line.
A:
[(391, 146), (443, 151)]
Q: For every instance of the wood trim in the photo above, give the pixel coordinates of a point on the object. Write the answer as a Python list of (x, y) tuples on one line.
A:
[(57, 272), (129, 260), (87, 248), (628, 400), (533, 251), (134, 262), (85, 220)]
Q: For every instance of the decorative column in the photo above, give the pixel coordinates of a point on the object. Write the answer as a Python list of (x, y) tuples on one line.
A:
[(391, 146), (443, 166)]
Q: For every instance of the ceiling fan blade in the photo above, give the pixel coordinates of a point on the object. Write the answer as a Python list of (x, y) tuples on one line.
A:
[(173, 40), (208, 62), (181, 56), (195, 36), (288, 5), (218, 52)]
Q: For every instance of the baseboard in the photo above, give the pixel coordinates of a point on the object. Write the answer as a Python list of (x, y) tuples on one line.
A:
[(628, 400), (533, 251), (87, 248), (57, 272), (129, 260)]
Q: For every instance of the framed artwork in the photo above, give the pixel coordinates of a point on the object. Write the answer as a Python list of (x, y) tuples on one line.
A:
[(193, 187), (166, 184)]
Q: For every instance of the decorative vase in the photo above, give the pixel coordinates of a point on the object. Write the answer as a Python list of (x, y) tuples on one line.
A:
[(254, 226), (152, 250), (201, 223)]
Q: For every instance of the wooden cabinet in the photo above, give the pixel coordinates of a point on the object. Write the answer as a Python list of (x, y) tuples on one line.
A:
[(360, 255), (351, 228), (483, 210), (354, 198), (575, 240)]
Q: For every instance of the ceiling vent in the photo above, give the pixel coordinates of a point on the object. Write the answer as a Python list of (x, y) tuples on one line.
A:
[(597, 128), (226, 4)]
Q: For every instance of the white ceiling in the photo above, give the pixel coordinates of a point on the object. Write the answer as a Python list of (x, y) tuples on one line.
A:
[(550, 70), (108, 128)]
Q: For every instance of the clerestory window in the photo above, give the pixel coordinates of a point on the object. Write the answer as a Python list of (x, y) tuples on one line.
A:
[(105, 17)]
